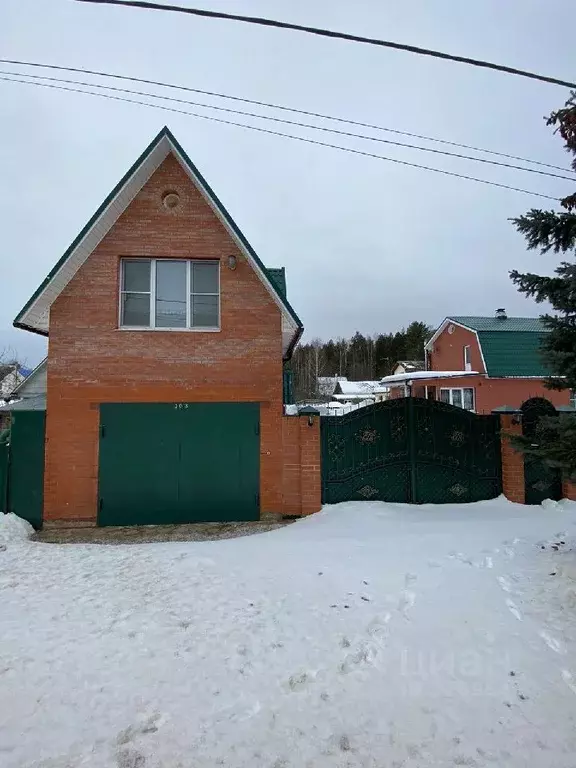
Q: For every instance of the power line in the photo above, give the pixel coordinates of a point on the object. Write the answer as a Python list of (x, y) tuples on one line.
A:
[(284, 135), (279, 107), (331, 33), (289, 122)]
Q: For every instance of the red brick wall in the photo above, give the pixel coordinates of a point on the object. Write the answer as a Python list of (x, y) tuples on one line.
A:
[(91, 361), (492, 393), (569, 490), (447, 353), (302, 491)]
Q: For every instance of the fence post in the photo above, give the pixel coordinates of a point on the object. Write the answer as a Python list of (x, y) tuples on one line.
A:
[(569, 490), (310, 467), (512, 460)]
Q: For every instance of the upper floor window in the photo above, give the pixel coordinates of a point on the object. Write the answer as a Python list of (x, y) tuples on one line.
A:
[(169, 294), (467, 359)]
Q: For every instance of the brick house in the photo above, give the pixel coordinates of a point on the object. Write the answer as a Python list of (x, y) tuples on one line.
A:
[(482, 363), (167, 340)]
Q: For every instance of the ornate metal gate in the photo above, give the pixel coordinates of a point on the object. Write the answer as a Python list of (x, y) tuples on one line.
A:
[(540, 481), (410, 450)]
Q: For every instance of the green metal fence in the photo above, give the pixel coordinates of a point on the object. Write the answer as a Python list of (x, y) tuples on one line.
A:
[(4, 462), (410, 450)]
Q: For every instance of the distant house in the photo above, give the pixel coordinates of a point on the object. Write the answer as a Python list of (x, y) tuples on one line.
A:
[(482, 363), (11, 374), (327, 384), (28, 395), (356, 391), (409, 366)]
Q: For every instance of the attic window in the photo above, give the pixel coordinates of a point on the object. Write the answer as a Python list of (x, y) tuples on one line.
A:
[(170, 294)]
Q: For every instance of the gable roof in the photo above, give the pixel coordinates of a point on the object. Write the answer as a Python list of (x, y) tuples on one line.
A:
[(478, 323), (510, 347), (411, 365), (355, 388), (35, 316)]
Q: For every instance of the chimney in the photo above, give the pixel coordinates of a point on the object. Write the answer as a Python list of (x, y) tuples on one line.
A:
[(501, 314)]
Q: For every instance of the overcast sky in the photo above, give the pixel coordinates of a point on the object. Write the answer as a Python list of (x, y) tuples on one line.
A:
[(368, 245)]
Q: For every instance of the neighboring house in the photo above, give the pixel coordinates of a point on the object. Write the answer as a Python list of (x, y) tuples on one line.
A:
[(165, 367), (30, 394), (408, 366), (482, 363), (355, 391), (11, 374), (326, 384)]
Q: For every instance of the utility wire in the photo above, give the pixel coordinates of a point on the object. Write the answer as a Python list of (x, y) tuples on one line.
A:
[(288, 122), (284, 135), (331, 33), (280, 107)]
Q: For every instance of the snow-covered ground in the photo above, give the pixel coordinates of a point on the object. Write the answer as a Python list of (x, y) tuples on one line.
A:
[(368, 635)]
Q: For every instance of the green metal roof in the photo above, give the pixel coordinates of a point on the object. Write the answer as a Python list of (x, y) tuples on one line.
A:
[(511, 346), (278, 276), (513, 353), (476, 323)]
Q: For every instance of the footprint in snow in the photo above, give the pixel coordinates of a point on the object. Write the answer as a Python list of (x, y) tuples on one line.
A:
[(513, 608), (378, 626), (300, 680), (551, 642), (148, 725), (505, 584), (406, 601), (130, 758), (364, 655), (569, 680)]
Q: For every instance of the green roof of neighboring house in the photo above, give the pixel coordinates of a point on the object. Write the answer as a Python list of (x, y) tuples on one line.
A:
[(278, 277), (513, 353), (510, 346), (531, 324)]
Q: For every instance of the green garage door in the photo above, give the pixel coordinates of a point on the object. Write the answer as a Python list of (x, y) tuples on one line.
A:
[(178, 463)]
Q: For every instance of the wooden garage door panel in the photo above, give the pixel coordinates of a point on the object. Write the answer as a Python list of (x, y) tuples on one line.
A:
[(178, 463)]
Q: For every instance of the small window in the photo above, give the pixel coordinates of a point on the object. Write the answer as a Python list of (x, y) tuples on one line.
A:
[(136, 292), (459, 397), (467, 359), (170, 294)]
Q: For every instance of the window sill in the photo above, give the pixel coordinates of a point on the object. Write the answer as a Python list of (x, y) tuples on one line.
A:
[(169, 330)]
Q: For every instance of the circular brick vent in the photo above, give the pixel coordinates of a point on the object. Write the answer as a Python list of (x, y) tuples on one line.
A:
[(170, 200)]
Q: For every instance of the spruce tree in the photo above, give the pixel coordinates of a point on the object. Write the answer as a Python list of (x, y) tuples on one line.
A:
[(555, 441)]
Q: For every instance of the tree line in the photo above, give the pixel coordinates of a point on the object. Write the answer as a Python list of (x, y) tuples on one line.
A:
[(359, 358)]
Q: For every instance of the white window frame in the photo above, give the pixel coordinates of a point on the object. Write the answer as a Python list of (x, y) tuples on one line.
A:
[(152, 294), (461, 390), (467, 358)]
